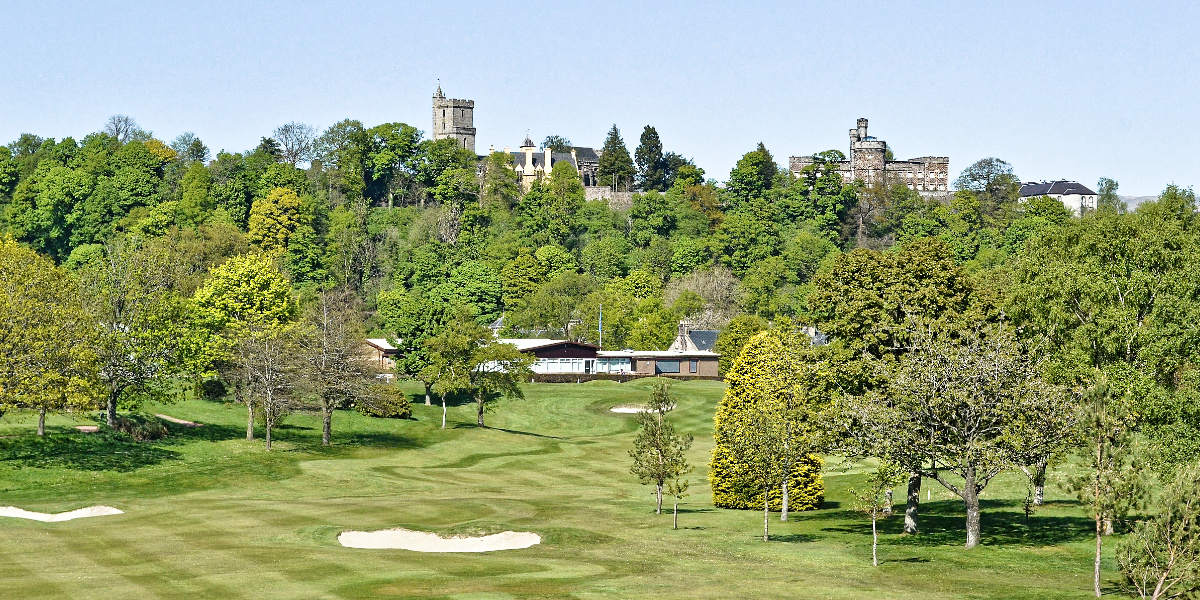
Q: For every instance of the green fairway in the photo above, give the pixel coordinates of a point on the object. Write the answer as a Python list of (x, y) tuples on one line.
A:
[(209, 515)]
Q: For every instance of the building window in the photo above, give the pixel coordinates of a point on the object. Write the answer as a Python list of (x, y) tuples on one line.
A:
[(666, 366), (694, 366)]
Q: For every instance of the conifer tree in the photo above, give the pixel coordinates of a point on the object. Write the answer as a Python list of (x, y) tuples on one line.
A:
[(651, 174), (616, 168)]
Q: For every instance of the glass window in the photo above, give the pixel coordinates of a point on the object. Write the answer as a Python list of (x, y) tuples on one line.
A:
[(694, 366), (666, 366)]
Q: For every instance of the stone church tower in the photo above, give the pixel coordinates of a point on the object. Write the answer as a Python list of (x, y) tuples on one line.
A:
[(454, 118)]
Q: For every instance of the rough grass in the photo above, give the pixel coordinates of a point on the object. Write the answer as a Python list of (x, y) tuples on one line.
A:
[(209, 515)]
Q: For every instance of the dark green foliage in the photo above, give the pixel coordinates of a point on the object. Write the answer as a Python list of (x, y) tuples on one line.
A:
[(556, 143), (384, 402), (651, 166), (616, 168), (753, 175), (142, 428)]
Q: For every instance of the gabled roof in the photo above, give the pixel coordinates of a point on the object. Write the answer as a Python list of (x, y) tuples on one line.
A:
[(1054, 188), (585, 154), (703, 339)]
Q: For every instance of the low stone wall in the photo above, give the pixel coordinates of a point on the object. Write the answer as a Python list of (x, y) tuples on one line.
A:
[(616, 200)]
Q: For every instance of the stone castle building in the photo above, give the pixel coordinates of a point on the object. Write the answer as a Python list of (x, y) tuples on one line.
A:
[(869, 163), (454, 118)]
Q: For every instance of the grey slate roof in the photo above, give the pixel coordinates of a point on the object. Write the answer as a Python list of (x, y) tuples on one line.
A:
[(704, 339), (1046, 188)]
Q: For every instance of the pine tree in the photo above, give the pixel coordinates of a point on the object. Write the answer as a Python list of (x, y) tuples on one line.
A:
[(651, 172), (616, 168)]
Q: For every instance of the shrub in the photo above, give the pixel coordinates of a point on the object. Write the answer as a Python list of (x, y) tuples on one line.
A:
[(806, 487), (141, 428), (385, 402), (775, 367)]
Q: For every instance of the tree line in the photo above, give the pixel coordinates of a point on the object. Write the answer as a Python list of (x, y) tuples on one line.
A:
[(153, 260)]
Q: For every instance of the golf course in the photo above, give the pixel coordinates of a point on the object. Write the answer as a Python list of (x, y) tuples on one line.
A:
[(207, 514)]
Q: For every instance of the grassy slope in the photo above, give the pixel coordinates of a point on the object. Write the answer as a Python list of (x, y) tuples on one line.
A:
[(209, 515)]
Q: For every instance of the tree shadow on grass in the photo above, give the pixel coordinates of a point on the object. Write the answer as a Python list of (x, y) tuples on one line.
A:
[(355, 440), (942, 523), (208, 432), (795, 538), (102, 451)]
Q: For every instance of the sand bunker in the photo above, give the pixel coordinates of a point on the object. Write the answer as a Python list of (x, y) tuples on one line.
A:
[(420, 541), (628, 409), (88, 428), (91, 511)]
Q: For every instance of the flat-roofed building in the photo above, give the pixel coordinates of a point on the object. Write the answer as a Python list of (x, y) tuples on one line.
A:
[(564, 357)]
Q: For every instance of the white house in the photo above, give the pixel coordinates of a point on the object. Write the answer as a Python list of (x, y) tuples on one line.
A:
[(1072, 194)]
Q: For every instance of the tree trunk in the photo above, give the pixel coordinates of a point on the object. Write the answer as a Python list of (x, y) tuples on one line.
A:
[(970, 496), (887, 503), (914, 504), (874, 543), (1108, 526), (658, 498), (784, 501), (270, 425), (249, 420), (1099, 533), (42, 421), (1039, 482), (443, 411), (428, 400), (675, 517), (111, 408), (326, 424), (766, 519), (479, 414)]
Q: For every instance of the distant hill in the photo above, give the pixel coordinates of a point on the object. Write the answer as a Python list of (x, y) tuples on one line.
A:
[(1134, 201)]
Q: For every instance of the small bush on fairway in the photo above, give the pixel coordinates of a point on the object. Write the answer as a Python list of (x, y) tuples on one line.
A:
[(142, 428), (385, 402)]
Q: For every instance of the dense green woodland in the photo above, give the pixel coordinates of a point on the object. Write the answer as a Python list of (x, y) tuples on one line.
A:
[(971, 335)]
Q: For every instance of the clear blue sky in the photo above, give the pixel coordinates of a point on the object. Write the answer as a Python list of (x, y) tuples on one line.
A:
[(1074, 90)]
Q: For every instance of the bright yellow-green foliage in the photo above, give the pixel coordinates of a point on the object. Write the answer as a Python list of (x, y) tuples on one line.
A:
[(771, 369), (45, 356), (806, 487), (274, 218), (244, 294)]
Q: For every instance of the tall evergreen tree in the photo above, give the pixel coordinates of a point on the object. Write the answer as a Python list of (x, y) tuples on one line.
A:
[(651, 174), (616, 168)]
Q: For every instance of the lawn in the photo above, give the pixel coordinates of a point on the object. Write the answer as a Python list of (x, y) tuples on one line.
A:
[(209, 515)]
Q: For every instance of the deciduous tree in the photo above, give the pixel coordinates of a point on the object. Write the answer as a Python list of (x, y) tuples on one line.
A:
[(330, 339), (245, 296), (658, 450), (142, 337), (961, 402)]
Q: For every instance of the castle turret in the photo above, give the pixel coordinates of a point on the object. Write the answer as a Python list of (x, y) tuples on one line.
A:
[(454, 118)]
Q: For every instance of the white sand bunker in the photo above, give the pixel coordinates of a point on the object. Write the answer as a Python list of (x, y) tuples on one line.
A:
[(421, 541), (628, 409), (91, 511)]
